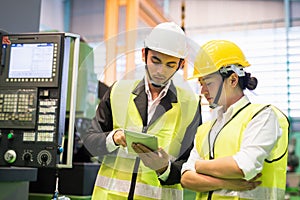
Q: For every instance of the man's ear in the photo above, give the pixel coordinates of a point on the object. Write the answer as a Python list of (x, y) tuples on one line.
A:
[(143, 54), (182, 63)]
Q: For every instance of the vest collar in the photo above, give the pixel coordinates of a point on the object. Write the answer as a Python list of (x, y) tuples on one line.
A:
[(172, 93), (165, 104), (219, 114)]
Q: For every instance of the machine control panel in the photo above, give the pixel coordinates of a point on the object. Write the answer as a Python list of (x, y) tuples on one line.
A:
[(33, 89)]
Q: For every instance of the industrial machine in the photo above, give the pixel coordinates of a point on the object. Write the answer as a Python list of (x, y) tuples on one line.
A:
[(34, 76)]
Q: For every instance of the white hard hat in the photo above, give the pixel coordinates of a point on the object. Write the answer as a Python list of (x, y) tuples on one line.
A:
[(168, 38)]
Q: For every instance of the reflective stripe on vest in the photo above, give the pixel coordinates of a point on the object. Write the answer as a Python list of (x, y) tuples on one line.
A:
[(115, 173), (258, 193), (143, 190), (273, 173), (261, 193)]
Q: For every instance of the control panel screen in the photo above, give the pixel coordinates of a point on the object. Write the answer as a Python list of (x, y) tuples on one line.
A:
[(31, 60)]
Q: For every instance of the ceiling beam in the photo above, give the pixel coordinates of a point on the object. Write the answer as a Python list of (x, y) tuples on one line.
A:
[(150, 13)]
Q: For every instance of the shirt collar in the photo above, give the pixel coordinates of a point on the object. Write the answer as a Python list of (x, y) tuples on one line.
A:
[(161, 94), (239, 104)]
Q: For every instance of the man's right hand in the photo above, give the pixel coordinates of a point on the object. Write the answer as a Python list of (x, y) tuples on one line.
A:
[(119, 138)]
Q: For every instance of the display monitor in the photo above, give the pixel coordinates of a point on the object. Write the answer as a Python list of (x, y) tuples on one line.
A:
[(33, 60)]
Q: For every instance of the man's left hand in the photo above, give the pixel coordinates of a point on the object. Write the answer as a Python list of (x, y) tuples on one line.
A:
[(156, 160)]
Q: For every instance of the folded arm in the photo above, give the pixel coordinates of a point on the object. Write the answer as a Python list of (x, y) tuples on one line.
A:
[(204, 183), (217, 168), (259, 138)]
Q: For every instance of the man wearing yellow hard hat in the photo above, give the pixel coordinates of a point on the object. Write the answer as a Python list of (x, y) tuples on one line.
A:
[(245, 143)]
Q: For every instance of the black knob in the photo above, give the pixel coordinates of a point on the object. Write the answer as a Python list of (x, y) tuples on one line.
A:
[(44, 158), (27, 157)]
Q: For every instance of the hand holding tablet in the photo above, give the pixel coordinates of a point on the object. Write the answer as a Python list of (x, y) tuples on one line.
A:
[(143, 138)]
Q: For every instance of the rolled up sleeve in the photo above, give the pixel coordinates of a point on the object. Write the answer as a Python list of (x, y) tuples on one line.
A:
[(189, 165), (260, 137)]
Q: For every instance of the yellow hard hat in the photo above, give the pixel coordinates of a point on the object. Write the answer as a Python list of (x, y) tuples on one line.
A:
[(216, 54)]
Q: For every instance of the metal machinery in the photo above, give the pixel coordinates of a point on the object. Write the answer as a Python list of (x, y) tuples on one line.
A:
[(34, 80)]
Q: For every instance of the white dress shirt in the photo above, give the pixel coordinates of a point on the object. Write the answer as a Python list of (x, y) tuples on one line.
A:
[(260, 136)]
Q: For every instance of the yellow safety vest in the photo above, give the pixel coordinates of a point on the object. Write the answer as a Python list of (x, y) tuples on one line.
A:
[(114, 177), (228, 143)]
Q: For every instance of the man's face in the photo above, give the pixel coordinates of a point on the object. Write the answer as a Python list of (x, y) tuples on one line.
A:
[(161, 66)]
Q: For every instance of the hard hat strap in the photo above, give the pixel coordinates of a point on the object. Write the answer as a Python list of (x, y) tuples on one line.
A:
[(150, 78), (155, 84), (215, 103)]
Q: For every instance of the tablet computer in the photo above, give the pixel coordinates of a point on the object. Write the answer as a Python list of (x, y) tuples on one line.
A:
[(137, 137)]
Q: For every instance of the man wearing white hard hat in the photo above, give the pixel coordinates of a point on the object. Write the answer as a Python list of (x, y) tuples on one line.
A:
[(151, 106)]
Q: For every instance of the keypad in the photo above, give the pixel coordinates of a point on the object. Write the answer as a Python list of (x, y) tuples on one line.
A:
[(17, 106)]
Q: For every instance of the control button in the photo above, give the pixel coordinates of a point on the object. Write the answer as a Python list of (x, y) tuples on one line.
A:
[(44, 158), (10, 156), (46, 93), (27, 156), (60, 150), (10, 136)]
